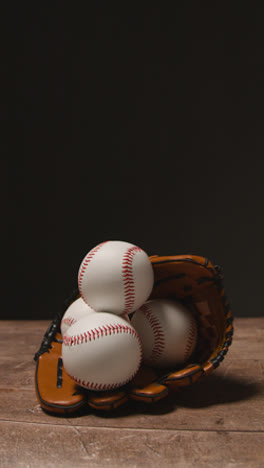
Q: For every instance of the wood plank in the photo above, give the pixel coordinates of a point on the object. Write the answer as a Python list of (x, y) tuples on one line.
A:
[(38, 445), (18, 326), (248, 340), (23, 349), (249, 323)]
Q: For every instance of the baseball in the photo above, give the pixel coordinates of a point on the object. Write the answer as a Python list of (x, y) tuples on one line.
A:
[(75, 311), (115, 277), (101, 351), (167, 330)]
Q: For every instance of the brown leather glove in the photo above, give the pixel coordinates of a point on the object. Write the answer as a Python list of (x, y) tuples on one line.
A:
[(187, 278)]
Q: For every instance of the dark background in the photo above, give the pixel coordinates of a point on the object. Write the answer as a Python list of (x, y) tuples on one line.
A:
[(144, 125)]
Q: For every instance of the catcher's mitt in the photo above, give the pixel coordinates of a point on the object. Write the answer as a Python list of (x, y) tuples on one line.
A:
[(190, 279)]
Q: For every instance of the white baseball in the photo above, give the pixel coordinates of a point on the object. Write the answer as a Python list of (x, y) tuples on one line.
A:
[(115, 277), (75, 311), (101, 351), (167, 330)]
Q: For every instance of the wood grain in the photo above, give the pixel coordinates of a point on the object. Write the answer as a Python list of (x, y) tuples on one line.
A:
[(38, 445), (216, 422)]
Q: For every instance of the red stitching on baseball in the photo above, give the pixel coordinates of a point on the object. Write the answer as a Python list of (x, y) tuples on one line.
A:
[(95, 334), (128, 279), (159, 338), (191, 337), (84, 265), (68, 321)]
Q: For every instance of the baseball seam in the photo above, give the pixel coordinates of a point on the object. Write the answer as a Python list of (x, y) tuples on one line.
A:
[(191, 338), (84, 265), (68, 321), (94, 334), (128, 280), (159, 338)]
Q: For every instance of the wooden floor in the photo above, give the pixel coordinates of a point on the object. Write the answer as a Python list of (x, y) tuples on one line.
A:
[(218, 422)]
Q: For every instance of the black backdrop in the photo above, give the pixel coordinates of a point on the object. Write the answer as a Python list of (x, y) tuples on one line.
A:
[(143, 125)]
